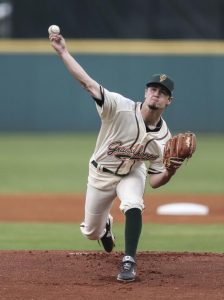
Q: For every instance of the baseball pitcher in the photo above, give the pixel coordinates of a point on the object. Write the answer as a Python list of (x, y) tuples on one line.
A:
[(129, 146)]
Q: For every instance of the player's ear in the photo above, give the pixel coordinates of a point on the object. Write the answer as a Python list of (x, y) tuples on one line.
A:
[(146, 89), (170, 99)]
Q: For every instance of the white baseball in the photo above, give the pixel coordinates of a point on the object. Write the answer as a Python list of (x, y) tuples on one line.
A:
[(54, 29)]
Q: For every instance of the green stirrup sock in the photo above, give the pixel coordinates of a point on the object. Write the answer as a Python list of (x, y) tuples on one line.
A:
[(133, 227)]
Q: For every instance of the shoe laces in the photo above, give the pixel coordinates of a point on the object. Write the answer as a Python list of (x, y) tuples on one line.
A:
[(108, 229), (108, 234), (127, 266)]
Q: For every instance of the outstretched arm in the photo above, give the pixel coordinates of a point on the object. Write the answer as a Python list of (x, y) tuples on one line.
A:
[(78, 73)]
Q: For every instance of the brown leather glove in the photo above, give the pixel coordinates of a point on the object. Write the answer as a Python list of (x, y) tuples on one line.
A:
[(177, 149)]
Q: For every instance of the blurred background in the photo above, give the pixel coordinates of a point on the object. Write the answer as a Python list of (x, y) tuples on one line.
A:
[(48, 124), (161, 19), (45, 98)]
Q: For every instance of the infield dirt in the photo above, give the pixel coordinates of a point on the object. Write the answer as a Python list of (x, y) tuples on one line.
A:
[(45, 275)]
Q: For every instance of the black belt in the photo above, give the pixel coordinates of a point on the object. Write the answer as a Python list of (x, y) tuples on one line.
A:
[(95, 164)]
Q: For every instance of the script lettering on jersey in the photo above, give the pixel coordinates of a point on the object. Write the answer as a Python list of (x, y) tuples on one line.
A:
[(125, 153)]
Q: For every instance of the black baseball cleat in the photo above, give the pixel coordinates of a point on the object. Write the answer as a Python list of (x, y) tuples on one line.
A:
[(127, 272), (108, 239)]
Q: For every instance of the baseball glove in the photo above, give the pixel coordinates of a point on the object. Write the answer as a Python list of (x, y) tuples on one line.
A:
[(177, 149)]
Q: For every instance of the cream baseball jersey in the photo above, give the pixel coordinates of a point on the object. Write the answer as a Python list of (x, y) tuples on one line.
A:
[(124, 142)]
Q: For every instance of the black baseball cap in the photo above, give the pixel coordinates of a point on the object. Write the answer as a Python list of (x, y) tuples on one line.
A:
[(163, 80)]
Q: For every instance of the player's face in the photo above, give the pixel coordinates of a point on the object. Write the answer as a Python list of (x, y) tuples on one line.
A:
[(157, 97)]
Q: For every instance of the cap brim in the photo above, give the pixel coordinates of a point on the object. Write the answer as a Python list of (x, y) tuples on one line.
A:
[(159, 83)]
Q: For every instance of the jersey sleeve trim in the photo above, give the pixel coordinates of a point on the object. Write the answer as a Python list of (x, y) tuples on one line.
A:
[(100, 102), (163, 137), (153, 171)]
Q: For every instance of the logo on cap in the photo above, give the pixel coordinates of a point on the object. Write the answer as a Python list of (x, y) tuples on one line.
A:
[(162, 77)]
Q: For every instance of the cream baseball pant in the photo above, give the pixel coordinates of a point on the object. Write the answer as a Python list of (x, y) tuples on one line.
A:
[(100, 196)]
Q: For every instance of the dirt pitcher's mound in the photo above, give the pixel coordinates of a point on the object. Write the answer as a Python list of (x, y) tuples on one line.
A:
[(44, 275)]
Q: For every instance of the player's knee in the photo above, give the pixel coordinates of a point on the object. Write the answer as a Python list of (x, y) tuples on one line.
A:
[(90, 233), (91, 236)]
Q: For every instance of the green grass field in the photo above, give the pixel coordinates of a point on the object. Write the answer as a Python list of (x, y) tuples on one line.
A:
[(50, 163), (155, 237), (58, 163)]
